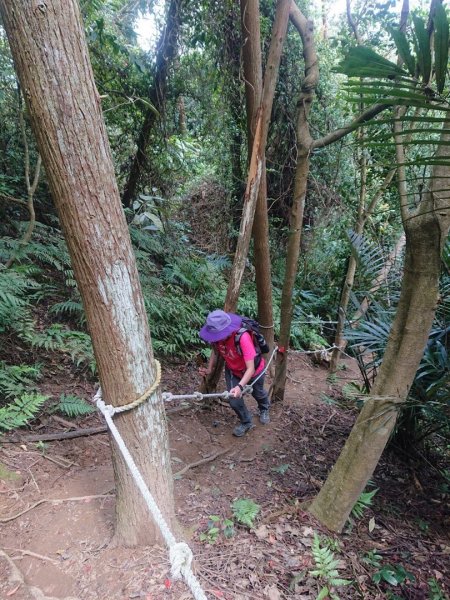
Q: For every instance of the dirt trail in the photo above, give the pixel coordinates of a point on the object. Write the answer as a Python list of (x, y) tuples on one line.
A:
[(62, 549)]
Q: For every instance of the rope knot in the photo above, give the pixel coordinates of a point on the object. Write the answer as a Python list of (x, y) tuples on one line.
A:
[(180, 559), (105, 408)]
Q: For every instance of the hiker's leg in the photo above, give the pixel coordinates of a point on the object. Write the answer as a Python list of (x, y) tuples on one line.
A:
[(260, 394), (237, 404)]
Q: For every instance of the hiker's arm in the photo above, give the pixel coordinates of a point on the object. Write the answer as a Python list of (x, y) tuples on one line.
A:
[(250, 371), (205, 371)]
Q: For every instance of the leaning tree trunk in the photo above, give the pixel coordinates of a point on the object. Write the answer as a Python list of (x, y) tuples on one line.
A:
[(426, 230), (52, 61), (255, 169), (407, 340), (252, 65), (167, 48)]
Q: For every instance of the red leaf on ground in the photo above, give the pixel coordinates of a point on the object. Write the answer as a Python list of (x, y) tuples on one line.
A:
[(167, 583)]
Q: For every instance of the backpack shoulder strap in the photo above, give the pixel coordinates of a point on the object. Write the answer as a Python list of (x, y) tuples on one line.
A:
[(237, 338)]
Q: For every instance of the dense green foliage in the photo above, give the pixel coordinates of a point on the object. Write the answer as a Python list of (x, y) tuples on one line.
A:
[(184, 221)]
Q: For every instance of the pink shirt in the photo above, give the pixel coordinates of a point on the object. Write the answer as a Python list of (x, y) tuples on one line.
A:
[(235, 361)]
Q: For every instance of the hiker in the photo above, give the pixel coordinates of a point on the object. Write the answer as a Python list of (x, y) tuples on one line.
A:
[(229, 337)]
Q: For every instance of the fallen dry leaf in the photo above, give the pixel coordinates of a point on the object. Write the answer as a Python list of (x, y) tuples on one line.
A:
[(261, 532), (272, 593)]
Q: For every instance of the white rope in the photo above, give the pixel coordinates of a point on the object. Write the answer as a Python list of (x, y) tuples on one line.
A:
[(274, 351), (179, 552), (319, 351)]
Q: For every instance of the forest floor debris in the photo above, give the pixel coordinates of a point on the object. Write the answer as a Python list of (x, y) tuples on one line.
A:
[(62, 549)]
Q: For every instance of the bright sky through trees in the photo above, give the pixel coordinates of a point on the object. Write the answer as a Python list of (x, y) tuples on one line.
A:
[(148, 26)]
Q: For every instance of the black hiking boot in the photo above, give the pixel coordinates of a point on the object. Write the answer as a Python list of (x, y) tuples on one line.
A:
[(264, 417), (242, 429)]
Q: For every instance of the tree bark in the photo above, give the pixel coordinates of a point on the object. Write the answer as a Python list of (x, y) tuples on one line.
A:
[(426, 230), (255, 169), (252, 65), (304, 140), (407, 340), (167, 49), (256, 163), (232, 67), (52, 61)]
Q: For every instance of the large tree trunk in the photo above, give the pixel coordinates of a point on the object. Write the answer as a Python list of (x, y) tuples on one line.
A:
[(426, 230), (255, 169), (167, 49), (306, 30), (252, 64), (51, 57), (407, 340)]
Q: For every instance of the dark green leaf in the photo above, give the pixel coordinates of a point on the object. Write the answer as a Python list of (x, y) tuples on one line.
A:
[(364, 62), (440, 46), (403, 49), (423, 50)]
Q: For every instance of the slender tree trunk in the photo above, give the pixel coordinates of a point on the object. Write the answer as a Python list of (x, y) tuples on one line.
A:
[(258, 151), (306, 30), (52, 61), (325, 9), (360, 222), (232, 67), (30, 185), (339, 340), (181, 115), (256, 166), (252, 64), (167, 49), (306, 147), (363, 215)]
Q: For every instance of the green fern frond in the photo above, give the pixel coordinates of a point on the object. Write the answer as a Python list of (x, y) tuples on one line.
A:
[(70, 307), (74, 406), (22, 410), (15, 380), (326, 565), (363, 502), (245, 511), (57, 338)]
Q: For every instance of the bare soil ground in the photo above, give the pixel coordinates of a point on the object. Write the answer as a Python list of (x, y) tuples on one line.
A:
[(57, 506)]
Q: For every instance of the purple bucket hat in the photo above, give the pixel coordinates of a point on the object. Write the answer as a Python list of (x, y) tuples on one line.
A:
[(219, 325)]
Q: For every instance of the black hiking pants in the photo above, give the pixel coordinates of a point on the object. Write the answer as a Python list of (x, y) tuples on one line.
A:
[(238, 404)]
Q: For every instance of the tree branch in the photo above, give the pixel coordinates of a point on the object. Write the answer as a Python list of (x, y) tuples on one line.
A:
[(7, 198), (337, 134)]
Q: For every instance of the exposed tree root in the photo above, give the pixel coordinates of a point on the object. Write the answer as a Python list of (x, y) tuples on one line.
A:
[(202, 461), (39, 502)]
